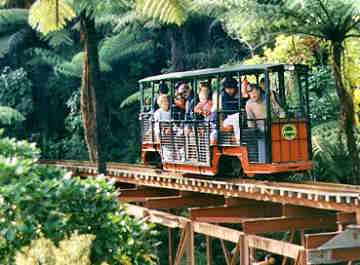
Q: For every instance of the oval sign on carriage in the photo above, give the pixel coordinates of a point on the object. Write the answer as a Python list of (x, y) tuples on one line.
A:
[(288, 131)]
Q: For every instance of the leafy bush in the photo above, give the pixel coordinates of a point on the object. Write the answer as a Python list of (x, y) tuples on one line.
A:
[(16, 90), (38, 201), (331, 158)]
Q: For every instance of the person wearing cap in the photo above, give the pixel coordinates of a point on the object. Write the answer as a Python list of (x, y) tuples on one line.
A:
[(163, 90), (229, 102)]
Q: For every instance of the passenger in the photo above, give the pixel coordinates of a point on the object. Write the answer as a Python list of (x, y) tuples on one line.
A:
[(203, 108), (179, 108), (204, 86), (213, 118), (230, 104), (163, 90), (147, 104), (256, 115), (244, 93), (187, 93), (161, 114)]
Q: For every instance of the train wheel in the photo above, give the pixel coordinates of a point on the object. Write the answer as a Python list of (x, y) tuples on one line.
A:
[(230, 166)]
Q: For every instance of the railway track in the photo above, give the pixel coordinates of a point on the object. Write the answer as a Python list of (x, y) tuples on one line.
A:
[(320, 195)]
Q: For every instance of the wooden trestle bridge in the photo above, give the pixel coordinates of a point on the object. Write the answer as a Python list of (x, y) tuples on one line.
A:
[(260, 207)]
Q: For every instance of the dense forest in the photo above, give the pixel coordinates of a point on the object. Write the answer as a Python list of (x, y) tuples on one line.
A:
[(69, 72)]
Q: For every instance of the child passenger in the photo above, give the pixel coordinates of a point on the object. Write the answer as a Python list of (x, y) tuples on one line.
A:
[(161, 114), (204, 106)]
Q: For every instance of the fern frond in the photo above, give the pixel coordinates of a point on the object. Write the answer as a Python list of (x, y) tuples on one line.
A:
[(121, 46), (59, 38), (46, 56), (45, 16), (167, 11), (135, 98), (12, 19), (75, 67), (9, 115)]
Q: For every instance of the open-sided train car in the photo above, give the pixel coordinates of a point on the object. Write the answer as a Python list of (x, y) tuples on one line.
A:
[(184, 145)]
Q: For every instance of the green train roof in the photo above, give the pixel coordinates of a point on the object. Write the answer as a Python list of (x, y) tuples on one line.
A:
[(210, 72)]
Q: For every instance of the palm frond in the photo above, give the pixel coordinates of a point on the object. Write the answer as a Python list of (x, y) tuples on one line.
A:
[(9, 115), (134, 98)]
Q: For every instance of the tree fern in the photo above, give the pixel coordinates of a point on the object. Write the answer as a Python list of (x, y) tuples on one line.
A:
[(50, 15), (167, 11), (9, 116), (12, 19)]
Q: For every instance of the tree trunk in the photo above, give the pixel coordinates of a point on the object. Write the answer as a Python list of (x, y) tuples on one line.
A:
[(347, 109), (90, 88), (177, 49)]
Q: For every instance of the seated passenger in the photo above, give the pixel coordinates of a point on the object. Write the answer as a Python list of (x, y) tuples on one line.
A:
[(179, 107), (230, 103), (204, 106), (163, 90), (256, 115)]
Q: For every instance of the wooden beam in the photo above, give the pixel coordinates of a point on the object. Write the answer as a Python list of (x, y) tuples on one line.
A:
[(223, 220), (182, 202), (190, 252), (171, 245), (226, 252), (140, 195), (302, 211), (274, 246), (284, 224), (182, 245), (217, 231), (316, 240), (249, 211), (209, 257), (346, 218)]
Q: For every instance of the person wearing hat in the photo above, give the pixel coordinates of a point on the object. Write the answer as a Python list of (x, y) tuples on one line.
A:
[(229, 102), (163, 90)]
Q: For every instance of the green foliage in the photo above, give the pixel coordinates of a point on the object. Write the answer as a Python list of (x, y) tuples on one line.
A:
[(12, 19), (43, 202), (324, 103), (74, 250), (9, 116), (16, 90), (330, 155)]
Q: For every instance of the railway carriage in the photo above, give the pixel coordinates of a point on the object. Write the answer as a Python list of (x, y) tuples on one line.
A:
[(184, 145)]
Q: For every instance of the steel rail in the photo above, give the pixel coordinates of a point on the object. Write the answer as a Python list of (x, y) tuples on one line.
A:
[(318, 195)]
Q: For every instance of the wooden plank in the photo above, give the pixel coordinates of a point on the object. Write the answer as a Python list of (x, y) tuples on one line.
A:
[(182, 202), (244, 250), (217, 231), (346, 254), (285, 224), (226, 252), (171, 245), (261, 210), (209, 257), (302, 211), (274, 246), (190, 257), (182, 246), (346, 218), (316, 240), (236, 253), (223, 220), (140, 195)]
